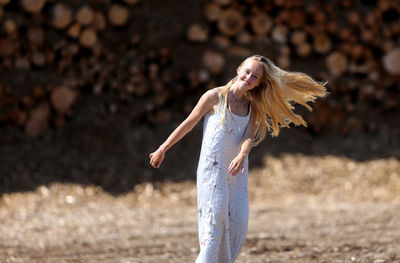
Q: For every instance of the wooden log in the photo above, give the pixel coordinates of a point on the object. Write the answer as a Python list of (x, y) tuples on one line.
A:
[(129, 88), (38, 121), (213, 61), (62, 16), (153, 70), (321, 42), (239, 51), (212, 11), (346, 3), (39, 92), (332, 27), (231, 22), (261, 24), (69, 51), (280, 34), (118, 15), (84, 15), (296, 19), (304, 49), (193, 79), (345, 34), (357, 51), (139, 84), (367, 35), (6, 47), (396, 27), (88, 37), (222, 2), (354, 18), (27, 101), (10, 27), (132, 2), (33, 6), (98, 88), (282, 18), (391, 61), (4, 2), (319, 16), (22, 63), (197, 33), (35, 36), (384, 5), (298, 37), (244, 38), (371, 20), (285, 50), (19, 117), (336, 63), (279, 3), (284, 62), (99, 22), (222, 41), (62, 99), (74, 30), (387, 46)]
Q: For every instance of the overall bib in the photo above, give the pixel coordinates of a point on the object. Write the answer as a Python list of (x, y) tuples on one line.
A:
[(223, 206)]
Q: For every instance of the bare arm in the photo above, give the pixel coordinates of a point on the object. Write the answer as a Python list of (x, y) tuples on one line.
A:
[(203, 106), (248, 137)]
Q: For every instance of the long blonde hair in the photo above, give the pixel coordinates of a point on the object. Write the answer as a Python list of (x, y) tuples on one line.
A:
[(271, 99)]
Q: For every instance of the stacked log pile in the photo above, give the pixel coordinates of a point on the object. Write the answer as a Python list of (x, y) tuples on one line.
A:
[(354, 45)]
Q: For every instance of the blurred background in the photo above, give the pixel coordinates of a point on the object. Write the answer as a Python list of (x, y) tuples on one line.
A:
[(88, 88)]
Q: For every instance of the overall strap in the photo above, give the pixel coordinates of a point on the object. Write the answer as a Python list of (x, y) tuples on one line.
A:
[(219, 94)]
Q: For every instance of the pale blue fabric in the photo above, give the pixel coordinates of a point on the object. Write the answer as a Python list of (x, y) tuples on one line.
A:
[(223, 206)]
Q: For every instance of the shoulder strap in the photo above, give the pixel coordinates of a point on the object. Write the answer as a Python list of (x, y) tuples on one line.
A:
[(219, 93)]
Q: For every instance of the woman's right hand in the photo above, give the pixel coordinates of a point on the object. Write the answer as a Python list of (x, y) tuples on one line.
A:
[(156, 158)]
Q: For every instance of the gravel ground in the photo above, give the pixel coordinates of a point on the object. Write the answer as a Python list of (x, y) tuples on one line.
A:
[(302, 209)]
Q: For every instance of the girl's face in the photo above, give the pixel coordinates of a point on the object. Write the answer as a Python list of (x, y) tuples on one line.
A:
[(249, 74)]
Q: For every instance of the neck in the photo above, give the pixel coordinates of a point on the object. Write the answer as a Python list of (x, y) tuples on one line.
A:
[(236, 91)]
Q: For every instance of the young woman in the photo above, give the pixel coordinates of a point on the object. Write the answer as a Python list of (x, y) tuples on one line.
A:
[(237, 117)]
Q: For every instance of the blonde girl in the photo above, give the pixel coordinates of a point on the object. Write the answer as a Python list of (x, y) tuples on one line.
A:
[(237, 117)]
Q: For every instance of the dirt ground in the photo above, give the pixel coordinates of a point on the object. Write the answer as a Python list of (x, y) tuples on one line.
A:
[(339, 210)]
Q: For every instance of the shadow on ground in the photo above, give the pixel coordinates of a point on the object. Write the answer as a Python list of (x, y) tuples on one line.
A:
[(111, 152)]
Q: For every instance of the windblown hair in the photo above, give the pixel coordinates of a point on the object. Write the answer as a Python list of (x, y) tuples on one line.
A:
[(272, 99)]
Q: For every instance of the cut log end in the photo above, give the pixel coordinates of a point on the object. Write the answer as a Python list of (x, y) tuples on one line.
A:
[(336, 63), (261, 24), (118, 15), (62, 98), (88, 38), (231, 22), (85, 16), (391, 61), (197, 33), (33, 6), (213, 61), (62, 16)]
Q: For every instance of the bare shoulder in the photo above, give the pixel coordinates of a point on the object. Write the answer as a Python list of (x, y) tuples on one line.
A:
[(212, 96)]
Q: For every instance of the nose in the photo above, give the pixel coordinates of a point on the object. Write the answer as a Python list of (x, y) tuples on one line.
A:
[(248, 77)]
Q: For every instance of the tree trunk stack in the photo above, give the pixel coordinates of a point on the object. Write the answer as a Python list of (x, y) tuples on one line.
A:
[(63, 51)]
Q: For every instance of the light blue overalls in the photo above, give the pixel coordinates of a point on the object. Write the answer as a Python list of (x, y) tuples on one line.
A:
[(223, 206)]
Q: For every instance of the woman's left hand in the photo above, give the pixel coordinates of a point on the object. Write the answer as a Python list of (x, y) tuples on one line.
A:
[(237, 164)]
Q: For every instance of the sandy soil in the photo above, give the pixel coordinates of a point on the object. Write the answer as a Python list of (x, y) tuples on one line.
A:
[(299, 213)]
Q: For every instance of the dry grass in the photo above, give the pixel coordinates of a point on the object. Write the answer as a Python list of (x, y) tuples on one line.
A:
[(303, 209)]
